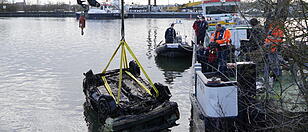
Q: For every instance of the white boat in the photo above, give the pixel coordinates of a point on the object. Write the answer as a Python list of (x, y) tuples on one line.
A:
[(215, 96), (106, 10), (225, 12)]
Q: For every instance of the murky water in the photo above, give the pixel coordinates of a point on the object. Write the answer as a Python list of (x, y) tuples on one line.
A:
[(42, 61)]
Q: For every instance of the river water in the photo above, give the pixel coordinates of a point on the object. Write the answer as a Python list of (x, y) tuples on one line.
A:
[(42, 61)]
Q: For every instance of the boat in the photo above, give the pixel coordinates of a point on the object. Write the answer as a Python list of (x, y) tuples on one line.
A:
[(225, 12), (221, 102), (96, 13), (179, 47), (174, 50), (105, 10)]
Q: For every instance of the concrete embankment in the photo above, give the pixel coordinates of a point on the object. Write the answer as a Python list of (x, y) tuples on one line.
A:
[(163, 15), (37, 14), (104, 16)]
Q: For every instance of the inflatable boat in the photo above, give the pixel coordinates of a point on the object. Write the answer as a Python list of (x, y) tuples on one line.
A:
[(178, 48), (174, 50)]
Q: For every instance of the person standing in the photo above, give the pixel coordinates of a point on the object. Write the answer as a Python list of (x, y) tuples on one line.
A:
[(196, 27), (222, 38), (203, 26), (272, 42), (257, 35), (170, 34)]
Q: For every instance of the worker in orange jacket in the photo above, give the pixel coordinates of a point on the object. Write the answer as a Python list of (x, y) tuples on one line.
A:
[(273, 40), (274, 37), (222, 38)]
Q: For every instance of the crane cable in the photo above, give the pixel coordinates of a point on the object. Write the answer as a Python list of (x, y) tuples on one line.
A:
[(122, 21)]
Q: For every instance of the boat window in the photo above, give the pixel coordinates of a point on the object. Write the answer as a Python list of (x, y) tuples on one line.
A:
[(221, 9)]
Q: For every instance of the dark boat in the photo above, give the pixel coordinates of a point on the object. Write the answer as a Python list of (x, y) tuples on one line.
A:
[(176, 49), (137, 109)]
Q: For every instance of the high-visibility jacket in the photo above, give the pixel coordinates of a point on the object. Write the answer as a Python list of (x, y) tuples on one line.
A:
[(222, 37), (274, 37)]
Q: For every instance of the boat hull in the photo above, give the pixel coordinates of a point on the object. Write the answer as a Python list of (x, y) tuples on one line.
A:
[(101, 16), (174, 50)]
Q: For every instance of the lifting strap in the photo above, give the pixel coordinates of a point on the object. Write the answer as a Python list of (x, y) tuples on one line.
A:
[(123, 63), (140, 84), (108, 87), (142, 69)]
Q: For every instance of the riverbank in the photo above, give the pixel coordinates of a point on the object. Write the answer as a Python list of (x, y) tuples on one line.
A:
[(37, 14), (104, 16)]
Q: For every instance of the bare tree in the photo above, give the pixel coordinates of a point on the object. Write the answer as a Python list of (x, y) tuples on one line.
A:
[(283, 101)]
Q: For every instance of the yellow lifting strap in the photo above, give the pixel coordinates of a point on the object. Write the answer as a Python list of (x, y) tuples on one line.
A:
[(121, 73), (141, 85), (114, 53), (143, 71), (108, 87), (123, 59)]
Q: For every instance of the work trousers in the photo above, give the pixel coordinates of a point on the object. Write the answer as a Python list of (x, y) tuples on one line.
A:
[(272, 64), (222, 59), (200, 39)]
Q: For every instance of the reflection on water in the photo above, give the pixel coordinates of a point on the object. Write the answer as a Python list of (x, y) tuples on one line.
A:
[(172, 67), (152, 36)]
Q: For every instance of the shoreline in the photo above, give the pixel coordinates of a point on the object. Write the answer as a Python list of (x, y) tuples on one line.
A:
[(104, 16)]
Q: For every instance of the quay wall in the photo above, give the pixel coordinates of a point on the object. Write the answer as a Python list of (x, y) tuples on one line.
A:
[(127, 15), (37, 14)]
